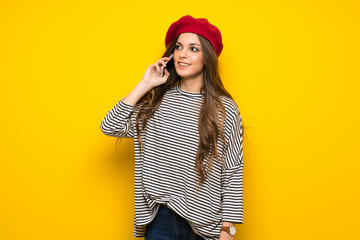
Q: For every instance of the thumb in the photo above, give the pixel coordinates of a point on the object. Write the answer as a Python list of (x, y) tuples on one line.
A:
[(166, 73)]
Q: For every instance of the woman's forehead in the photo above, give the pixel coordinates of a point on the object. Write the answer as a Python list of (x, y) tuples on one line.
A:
[(187, 38)]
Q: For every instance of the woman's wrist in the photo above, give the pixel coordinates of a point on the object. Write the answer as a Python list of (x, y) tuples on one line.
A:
[(228, 224), (225, 235), (140, 90)]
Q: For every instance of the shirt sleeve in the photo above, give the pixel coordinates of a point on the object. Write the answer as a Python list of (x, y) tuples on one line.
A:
[(118, 121), (233, 173)]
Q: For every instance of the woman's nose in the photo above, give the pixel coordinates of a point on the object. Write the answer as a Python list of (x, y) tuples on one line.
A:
[(183, 53)]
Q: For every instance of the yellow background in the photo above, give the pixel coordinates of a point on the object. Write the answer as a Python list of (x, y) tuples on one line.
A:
[(292, 67)]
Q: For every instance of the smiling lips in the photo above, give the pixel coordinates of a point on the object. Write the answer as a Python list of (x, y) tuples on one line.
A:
[(183, 64)]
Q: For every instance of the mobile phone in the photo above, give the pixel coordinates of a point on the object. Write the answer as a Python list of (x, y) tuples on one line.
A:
[(162, 67)]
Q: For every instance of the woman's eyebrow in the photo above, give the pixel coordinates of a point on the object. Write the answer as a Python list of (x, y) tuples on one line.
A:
[(189, 43)]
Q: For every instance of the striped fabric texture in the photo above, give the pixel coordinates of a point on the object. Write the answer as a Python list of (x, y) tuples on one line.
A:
[(165, 171)]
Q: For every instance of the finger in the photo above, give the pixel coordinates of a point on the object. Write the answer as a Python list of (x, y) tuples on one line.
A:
[(153, 67), (162, 62), (166, 59), (156, 65), (167, 74)]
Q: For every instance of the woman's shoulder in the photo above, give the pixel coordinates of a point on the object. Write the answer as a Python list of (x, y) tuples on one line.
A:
[(229, 104)]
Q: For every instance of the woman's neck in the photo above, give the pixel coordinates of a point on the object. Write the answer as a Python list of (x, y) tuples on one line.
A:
[(191, 85)]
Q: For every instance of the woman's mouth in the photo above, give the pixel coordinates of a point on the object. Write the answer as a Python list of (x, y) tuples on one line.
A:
[(183, 64)]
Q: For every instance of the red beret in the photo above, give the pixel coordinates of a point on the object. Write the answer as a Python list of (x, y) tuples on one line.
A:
[(200, 26)]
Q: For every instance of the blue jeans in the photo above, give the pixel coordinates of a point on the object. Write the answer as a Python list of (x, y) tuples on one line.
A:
[(167, 225)]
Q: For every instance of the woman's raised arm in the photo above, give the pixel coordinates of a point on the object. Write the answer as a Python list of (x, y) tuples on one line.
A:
[(119, 122)]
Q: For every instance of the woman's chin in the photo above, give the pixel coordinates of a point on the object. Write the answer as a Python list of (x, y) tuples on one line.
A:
[(187, 75)]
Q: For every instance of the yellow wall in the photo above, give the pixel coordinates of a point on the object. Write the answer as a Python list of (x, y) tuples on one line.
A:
[(292, 67)]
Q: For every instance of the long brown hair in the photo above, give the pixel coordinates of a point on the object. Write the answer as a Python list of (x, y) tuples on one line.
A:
[(209, 126)]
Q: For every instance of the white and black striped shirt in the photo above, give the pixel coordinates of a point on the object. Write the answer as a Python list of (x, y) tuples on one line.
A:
[(165, 172)]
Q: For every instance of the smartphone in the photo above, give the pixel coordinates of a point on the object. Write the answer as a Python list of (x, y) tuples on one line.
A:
[(162, 67)]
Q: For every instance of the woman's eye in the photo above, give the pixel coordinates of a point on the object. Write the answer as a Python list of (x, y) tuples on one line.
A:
[(194, 49)]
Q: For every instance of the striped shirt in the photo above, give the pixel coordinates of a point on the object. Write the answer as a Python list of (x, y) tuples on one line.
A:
[(165, 171)]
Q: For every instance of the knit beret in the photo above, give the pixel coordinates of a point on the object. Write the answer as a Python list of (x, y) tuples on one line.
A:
[(200, 26)]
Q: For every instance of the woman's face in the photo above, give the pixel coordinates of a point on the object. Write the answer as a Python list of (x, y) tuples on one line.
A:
[(188, 56)]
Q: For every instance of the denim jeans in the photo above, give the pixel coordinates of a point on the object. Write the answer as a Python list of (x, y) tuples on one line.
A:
[(167, 225)]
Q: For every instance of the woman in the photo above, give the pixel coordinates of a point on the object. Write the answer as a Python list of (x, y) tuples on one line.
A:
[(188, 136)]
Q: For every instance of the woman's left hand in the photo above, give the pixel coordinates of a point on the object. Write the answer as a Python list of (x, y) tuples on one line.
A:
[(225, 236)]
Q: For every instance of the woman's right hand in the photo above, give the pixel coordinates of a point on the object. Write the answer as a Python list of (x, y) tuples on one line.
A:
[(152, 75), (150, 80)]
